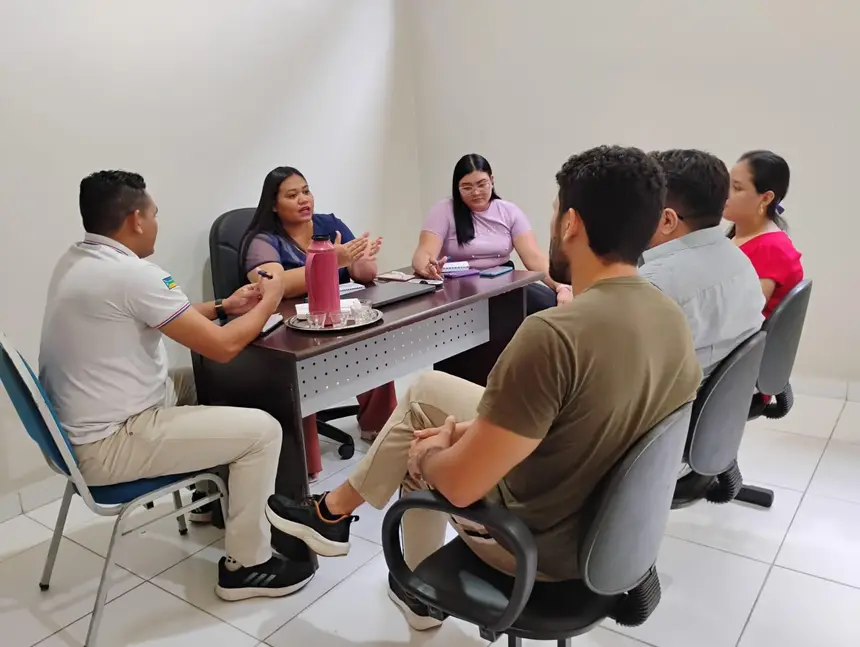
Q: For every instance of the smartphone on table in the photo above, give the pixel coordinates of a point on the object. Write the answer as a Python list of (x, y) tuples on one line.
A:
[(496, 271)]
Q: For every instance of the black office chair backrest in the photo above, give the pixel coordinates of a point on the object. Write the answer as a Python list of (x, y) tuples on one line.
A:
[(783, 327), (224, 240), (631, 508), (721, 408)]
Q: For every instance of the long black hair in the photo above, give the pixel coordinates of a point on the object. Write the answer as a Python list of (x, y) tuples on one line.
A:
[(265, 218), (463, 220), (769, 172)]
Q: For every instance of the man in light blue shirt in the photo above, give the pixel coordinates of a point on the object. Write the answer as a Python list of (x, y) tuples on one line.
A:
[(691, 260)]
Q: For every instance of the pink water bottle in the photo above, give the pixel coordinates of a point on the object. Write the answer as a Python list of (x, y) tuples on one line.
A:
[(321, 277)]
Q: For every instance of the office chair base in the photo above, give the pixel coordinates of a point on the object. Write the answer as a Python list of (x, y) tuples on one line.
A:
[(757, 496), (726, 486), (347, 442), (516, 641), (637, 605)]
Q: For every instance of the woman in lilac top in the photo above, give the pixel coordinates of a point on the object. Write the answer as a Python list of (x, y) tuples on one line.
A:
[(475, 225)]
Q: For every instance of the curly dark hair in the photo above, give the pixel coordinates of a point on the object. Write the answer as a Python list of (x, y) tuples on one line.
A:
[(697, 186), (619, 194), (107, 198)]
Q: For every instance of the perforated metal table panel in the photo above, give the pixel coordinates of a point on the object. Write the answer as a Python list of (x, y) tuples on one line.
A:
[(333, 377)]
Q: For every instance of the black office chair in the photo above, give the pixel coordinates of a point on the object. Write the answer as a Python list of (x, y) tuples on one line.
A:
[(784, 329), (623, 525), (717, 426), (224, 240)]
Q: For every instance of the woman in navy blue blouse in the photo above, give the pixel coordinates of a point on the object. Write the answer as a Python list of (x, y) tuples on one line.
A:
[(276, 240)]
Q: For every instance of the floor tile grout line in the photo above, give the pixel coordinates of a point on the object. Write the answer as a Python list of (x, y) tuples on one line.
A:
[(319, 599), (788, 530), (720, 550), (90, 612), (208, 613), (618, 633), (313, 602), (817, 577)]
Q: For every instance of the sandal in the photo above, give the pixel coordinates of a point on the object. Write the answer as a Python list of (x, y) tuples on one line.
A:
[(369, 436)]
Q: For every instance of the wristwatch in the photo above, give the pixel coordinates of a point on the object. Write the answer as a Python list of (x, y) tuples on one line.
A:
[(220, 312)]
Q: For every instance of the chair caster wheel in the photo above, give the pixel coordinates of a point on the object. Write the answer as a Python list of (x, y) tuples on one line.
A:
[(346, 451), (44, 587), (183, 532)]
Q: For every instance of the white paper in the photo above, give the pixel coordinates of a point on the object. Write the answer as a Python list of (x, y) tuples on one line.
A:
[(272, 321), (345, 306)]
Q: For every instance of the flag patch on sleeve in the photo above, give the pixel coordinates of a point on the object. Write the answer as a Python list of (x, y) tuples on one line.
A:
[(169, 282)]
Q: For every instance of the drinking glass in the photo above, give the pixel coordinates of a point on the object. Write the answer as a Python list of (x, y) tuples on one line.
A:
[(362, 310), (338, 319), (316, 321)]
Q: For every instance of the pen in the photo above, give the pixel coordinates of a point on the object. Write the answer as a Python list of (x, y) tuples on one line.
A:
[(265, 274)]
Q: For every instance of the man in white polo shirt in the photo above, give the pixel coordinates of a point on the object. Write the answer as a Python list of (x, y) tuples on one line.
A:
[(691, 260), (104, 365)]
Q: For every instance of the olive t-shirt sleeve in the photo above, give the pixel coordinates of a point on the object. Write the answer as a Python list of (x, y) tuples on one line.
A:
[(530, 381)]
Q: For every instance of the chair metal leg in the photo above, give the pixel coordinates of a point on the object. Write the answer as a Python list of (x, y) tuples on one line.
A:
[(45, 582), (177, 501), (565, 643), (515, 641), (101, 595)]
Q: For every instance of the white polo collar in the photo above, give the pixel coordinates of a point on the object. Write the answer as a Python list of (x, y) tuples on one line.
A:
[(96, 239)]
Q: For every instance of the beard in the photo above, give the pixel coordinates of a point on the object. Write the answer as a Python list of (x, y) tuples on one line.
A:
[(559, 267)]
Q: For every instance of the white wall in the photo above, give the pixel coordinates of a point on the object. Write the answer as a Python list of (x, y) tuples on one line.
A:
[(203, 98), (529, 83)]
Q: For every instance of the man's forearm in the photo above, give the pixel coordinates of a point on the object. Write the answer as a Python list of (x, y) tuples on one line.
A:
[(207, 309), (241, 331)]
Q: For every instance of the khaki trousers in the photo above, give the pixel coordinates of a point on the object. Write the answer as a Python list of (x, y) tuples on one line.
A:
[(180, 437), (432, 398)]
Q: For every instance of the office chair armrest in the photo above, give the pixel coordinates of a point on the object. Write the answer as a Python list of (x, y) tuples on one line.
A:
[(511, 532)]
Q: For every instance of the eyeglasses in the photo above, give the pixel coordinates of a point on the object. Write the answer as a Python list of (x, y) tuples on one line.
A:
[(483, 185)]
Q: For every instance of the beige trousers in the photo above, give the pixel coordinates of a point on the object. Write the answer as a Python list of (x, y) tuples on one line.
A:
[(432, 398), (180, 437)]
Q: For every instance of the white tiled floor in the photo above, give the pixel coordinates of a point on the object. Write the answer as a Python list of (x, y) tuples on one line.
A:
[(732, 576)]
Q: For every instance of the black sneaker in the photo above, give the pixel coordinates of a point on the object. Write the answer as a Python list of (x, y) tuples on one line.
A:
[(203, 514), (273, 579), (417, 613), (304, 521)]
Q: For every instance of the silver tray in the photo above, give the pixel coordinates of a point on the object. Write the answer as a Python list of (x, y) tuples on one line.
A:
[(297, 323)]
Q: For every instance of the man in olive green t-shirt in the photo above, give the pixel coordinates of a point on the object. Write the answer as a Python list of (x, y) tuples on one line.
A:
[(575, 388)]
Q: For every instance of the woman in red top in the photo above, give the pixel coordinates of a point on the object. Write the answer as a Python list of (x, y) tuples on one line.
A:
[(759, 183)]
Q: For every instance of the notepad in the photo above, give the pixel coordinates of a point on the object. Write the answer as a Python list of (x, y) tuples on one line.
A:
[(349, 288), (272, 322), (345, 306), (457, 266)]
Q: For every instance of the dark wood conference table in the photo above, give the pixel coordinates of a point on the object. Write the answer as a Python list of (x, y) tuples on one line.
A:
[(461, 329)]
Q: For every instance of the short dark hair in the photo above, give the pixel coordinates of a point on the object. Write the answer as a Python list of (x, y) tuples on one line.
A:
[(697, 186), (108, 197), (619, 194)]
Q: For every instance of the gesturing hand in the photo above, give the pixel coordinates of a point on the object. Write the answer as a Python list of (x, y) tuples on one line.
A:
[(350, 252), (373, 249), (242, 300)]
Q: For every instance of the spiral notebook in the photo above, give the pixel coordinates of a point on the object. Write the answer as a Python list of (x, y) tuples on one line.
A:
[(349, 288)]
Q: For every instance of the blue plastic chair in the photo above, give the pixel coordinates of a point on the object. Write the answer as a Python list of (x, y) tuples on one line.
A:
[(39, 419)]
